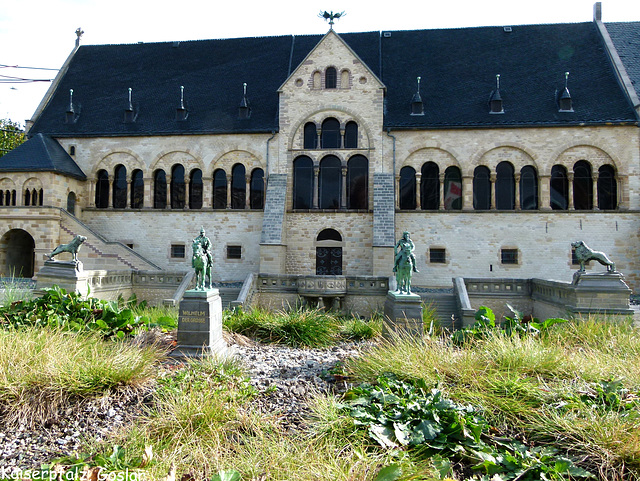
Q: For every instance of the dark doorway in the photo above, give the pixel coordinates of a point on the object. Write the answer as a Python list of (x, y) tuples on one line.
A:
[(17, 249), (329, 253)]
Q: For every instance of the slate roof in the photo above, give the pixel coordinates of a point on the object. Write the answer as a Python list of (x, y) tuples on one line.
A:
[(626, 38), (40, 154), (457, 66)]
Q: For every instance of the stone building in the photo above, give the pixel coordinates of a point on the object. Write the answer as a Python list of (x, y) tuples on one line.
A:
[(496, 147)]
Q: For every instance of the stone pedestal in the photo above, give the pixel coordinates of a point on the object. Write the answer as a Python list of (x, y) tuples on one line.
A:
[(605, 293), (69, 275), (403, 314), (200, 324)]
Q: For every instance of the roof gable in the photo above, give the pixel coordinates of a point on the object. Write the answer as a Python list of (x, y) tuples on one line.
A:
[(41, 154)]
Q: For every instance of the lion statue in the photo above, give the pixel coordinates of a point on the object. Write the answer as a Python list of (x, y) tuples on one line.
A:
[(72, 247), (585, 254)]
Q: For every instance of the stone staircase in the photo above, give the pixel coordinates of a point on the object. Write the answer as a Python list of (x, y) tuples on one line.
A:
[(100, 253), (446, 308)]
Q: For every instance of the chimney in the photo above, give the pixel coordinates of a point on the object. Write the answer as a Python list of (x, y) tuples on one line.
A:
[(597, 12)]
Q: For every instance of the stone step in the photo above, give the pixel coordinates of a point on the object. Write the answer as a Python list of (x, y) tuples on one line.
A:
[(445, 306)]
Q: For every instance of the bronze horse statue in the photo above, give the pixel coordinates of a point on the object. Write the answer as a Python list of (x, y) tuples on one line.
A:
[(201, 264), (403, 270)]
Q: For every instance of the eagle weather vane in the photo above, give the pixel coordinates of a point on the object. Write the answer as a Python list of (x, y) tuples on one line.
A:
[(331, 16)]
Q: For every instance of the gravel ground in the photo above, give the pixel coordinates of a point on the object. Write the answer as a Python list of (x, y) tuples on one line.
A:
[(285, 378)]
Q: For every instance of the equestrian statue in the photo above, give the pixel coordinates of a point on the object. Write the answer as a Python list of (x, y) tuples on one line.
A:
[(202, 261), (405, 263)]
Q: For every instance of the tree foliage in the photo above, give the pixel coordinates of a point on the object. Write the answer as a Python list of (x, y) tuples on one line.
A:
[(11, 135)]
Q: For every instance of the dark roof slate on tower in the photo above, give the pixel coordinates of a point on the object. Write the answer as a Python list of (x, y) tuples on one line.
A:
[(626, 39), (458, 68), (40, 154)]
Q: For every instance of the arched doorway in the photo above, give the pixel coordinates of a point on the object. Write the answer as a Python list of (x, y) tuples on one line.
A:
[(329, 253), (17, 249)]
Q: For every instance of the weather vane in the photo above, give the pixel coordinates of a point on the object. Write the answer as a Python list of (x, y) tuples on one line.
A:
[(331, 16)]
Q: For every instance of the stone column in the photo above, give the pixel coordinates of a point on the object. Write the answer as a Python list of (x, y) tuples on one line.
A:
[(492, 188), (517, 191), (467, 192), (570, 189), (418, 191), (92, 193), (595, 190), (341, 139), (229, 178), (544, 192), (110, 193), (168, 199), (343, 196), (247, 201), (207, 190), (319, 133), (441, 199), (316, 172), (187, 186), (127, 204), (397, 193)]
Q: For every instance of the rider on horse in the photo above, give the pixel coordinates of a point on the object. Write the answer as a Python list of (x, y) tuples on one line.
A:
[(405, 241), (205, 244)]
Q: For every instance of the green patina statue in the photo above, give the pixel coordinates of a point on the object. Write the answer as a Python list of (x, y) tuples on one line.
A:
[(405, 263), (202, 260)]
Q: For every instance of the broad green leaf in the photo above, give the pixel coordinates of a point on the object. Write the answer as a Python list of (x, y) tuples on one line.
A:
[(383, 435), (229, 475), (389, 473)]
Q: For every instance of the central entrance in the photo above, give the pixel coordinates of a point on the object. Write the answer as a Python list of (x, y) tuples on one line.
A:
[(329, 253)]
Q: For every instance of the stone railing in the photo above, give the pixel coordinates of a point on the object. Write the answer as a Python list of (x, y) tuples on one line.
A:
[(462, 302), (247, 292)]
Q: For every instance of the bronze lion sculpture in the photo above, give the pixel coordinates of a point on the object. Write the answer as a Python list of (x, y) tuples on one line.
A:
[(585, 254), (72, 247)]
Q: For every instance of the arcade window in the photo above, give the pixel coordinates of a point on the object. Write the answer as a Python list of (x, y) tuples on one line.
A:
[(509, 256), (437, 256), (177, 251), (234, 252)]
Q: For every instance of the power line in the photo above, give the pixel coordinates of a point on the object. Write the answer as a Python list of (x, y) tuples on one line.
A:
[(30, 68)]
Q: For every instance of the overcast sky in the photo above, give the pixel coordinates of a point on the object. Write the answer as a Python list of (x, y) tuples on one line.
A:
[(41, 33)]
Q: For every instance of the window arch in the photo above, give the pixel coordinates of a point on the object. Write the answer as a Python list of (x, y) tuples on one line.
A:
[(102, 190), (71, 203), (505, 187), (344, 79), (120, 187), (330, 235), (559, 188), (27, 197), (582, 186), (302, 183), (407, 188), (310, 136), (430, 186), (219, 189), (481, 188), (330, 78), (256, 194), (177, 187), (452, 188), (357, 182), (137, 189), (329, 182), (351, 135), (159, 189), (330, 135), (195, 189), (528, 188), (607, 188), (238, 187)]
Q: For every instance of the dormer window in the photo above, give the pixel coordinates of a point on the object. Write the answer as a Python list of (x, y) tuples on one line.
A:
[(417, 107), (330, 78), (565, 103), (495, 100)]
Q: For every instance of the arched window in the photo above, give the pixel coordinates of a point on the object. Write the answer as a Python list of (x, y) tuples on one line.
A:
[(528, 188), (330, 78), (582, 186), (329, 253), (137, 189), (40, 197), (559, 187), (302, 183), (219, 189), (357, 182), (452, 188), (34, 197), (256, 195), (330, 135), (120, 187), (71, 203), (607, 188), (27, 197), (329, 182), (195, 189), (102, 190), (351, 135), (310, 136), (238, 187), (481, 188), (407, 188), (159, 189), (430, 187), (505, 187), (177, 187)]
